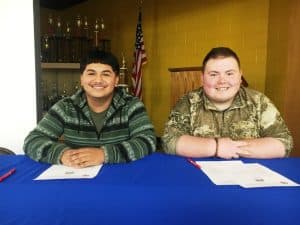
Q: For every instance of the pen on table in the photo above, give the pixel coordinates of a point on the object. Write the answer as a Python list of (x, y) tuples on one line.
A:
[(6, 175), (193, 163)]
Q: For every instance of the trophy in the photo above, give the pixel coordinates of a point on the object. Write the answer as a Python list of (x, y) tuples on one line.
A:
[(50, 26), (67, 56), (45, 57), (51, 40), (123, 71), (59, 41), (97, 28), (77, 40), (86, 28), (86, 39)]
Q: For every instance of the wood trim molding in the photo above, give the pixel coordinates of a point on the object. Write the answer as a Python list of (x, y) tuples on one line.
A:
[(181, 69)]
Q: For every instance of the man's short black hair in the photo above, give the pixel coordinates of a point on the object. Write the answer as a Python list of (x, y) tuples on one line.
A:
[(99, 56), (220, 52)]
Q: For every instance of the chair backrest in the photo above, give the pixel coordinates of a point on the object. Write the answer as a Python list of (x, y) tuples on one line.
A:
[(5, 151), (183, 80)]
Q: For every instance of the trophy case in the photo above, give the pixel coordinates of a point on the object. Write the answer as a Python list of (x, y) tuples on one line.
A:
[(63, 44)]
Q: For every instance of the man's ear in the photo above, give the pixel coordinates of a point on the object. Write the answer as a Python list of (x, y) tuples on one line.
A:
[(241, 72), (117, 80), (202, 76), (81, 79)]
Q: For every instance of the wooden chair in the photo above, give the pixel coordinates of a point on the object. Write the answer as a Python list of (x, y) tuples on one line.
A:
[(5, 151), (185, 79)]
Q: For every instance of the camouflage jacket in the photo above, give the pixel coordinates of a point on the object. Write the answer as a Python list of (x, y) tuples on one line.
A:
[(251, 115)]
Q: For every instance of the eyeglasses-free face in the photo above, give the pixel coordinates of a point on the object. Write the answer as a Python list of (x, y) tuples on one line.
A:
[(221, 79), (99, 80)]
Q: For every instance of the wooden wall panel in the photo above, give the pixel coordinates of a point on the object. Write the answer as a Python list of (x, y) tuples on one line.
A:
[(292, 97)]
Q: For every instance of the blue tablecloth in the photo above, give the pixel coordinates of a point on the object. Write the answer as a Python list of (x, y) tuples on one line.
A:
[(159, 189)]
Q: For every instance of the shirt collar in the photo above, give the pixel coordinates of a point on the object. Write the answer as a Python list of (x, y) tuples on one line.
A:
[(238, 101)]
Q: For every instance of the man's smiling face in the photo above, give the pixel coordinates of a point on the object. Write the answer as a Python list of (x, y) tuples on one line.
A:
[(221, 81), (99, 80)]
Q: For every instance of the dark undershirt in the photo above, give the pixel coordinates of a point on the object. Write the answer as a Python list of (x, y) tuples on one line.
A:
[(98, 119)]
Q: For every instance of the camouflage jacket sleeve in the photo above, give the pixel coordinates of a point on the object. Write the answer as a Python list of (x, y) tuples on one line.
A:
[(178, 125), (273, 125)]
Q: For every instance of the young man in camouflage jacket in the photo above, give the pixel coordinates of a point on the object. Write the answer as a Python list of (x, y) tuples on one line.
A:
[(224, 119)]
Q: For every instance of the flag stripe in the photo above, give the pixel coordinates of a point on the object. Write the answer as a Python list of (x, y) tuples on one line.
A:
[(140, 58)]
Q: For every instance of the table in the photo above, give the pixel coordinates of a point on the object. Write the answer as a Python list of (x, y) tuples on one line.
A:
[(159, 189)]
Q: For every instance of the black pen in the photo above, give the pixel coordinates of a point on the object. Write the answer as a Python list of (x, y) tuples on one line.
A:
[(6, 175)]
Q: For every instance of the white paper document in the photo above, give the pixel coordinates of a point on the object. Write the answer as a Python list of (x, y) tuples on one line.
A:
[(221, 172), (256, 175), (65, 172), (247, 175)]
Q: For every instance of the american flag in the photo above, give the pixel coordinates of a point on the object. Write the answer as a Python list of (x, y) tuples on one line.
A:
[(140, 59)]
